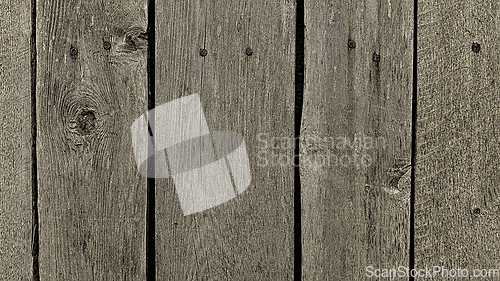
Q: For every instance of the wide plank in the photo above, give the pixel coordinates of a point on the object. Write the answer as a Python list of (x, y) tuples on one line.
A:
[(245, 80), (457, 196), (355, 139), (91, 86)]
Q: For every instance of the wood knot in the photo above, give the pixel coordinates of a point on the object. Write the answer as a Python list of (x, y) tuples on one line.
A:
[(85, 111), (399, 176), (135, 39), (85, 122)]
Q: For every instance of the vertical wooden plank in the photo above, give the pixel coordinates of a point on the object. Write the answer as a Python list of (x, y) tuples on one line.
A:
[(248, 87), (180, 31), (249, 92), (15, 141), (358, 88), (457, 195), (92, 84)]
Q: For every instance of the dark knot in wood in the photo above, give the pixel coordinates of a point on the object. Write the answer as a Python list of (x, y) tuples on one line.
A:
[(135, 39), (85, 122)]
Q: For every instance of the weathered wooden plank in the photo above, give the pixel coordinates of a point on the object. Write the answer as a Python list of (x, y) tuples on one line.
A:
[(358, 87), (15, 144), (248, 87), (250, 92), (456, 190), (179, 37), (92, 84)]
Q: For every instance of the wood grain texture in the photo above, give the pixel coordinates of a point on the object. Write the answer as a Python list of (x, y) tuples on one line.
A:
[(15, 141), (350, 216), (457, 195), (251, 236), (92, 200), (179, 36)]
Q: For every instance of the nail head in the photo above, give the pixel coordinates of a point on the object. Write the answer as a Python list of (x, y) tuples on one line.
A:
[(477, 211), (249, 51), (351, 44), (73, 51), (376, 57), (106, 45), (476, 47), (203, 52)]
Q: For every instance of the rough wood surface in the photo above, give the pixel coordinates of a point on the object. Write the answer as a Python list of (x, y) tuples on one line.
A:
[(15, 141), (251, 236), (92, 200), (351, 218), (457, 194)]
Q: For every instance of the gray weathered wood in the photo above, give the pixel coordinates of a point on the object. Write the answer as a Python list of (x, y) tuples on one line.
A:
[(92, 200), (15, 144), (179, 36), (456, 188), (251, 236), (351, 218)]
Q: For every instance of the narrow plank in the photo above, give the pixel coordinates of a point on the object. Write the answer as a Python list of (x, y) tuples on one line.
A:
[(355, 211), (457, 195), (251, 236), (92, 84), (180, 31), (15, 141)]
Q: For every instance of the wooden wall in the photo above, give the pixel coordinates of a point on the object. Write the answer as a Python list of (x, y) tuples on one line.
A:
[(75, 76)]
